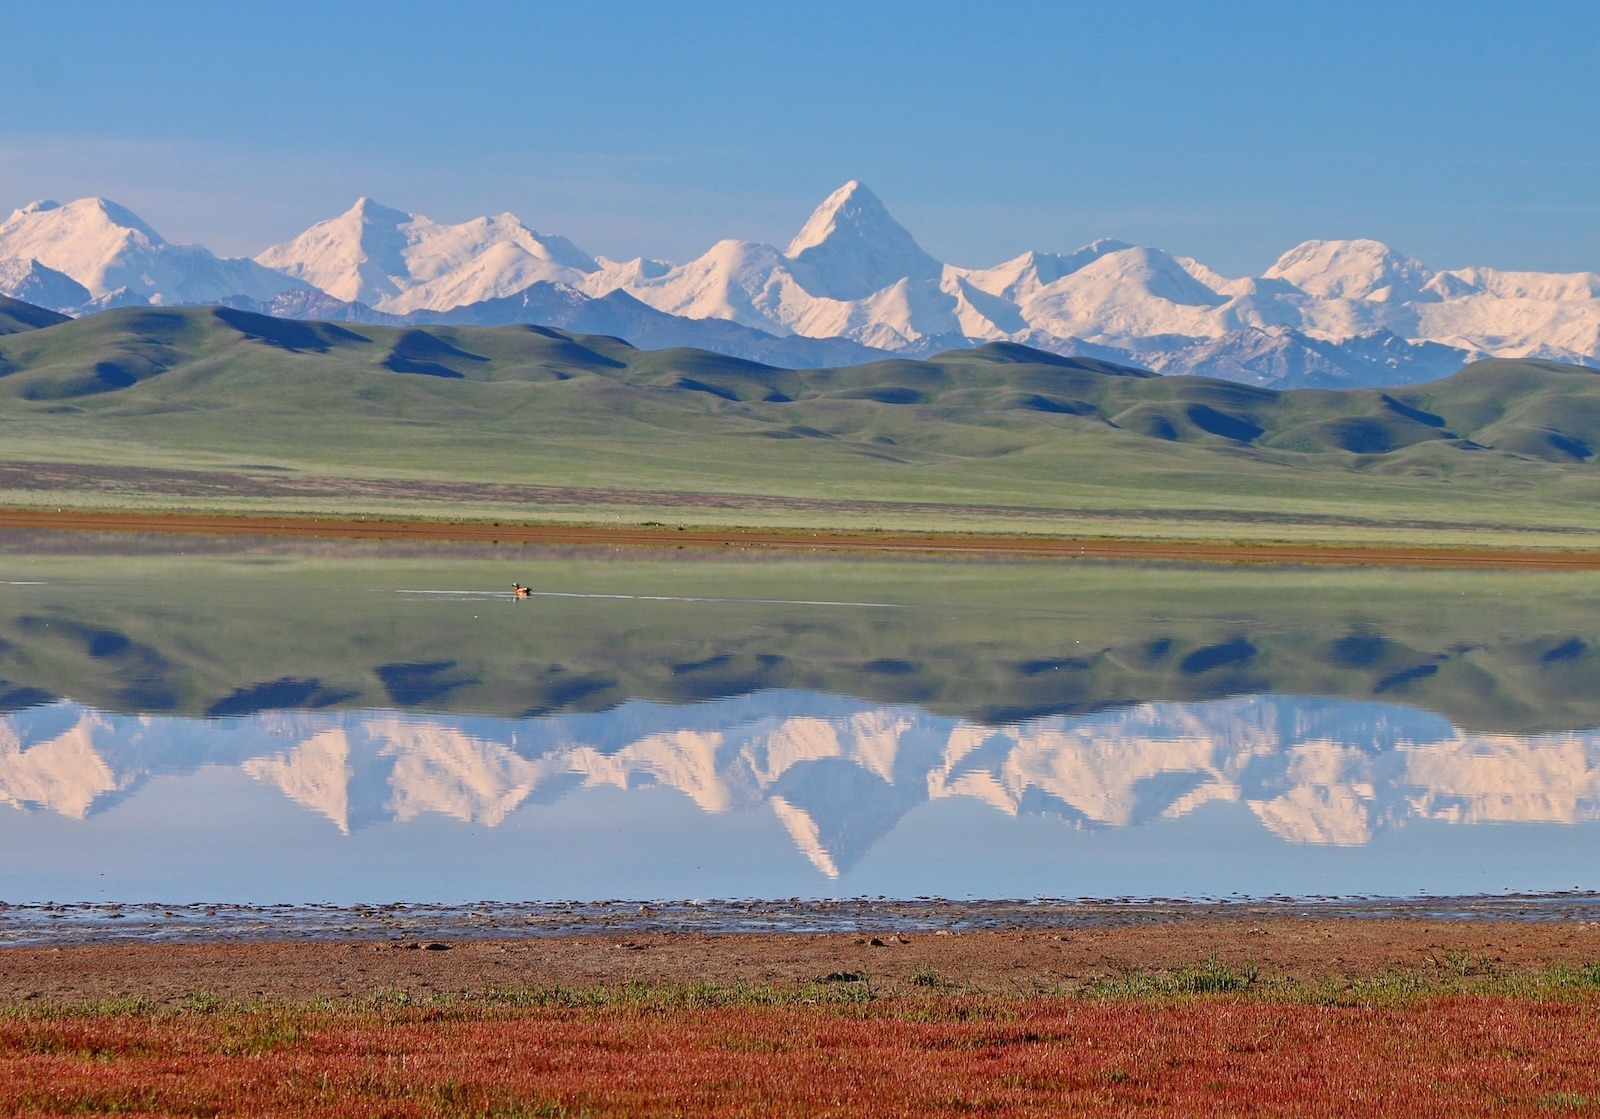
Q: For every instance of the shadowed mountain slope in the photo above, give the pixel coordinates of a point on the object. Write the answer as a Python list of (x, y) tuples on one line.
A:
[(143, 357), (17, 316), (1000, 423)]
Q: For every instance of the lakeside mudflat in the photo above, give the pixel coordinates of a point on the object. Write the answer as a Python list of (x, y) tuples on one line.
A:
[(998, 962), (882, 542)]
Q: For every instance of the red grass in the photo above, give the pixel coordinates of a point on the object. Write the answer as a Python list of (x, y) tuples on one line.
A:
[(1445, 1057)]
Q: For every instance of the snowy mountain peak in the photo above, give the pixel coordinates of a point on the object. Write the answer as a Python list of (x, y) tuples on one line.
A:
[(1138, 274), (116, 215), (399, 262), (368, 210), (852, 277), (1356, 269), (32, 282), (854, 246), (83, 218), (1022, 276), (113, 253), (1087, 254), (852, 203)]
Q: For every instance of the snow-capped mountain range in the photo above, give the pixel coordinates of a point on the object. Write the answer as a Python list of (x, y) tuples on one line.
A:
[(853, 284), (118, 260), (840, 774)]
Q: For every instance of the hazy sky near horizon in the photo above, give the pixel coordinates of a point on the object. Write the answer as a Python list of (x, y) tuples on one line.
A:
[(1461, 133)]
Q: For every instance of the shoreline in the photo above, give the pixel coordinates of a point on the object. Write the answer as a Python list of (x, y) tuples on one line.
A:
[(49, 925), (83, 953), (887, 542)]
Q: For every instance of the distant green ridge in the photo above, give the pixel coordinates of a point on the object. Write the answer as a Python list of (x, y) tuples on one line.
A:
[(1501, 440), (17, 316)]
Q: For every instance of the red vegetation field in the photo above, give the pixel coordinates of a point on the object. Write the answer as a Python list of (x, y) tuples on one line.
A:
[(940, 1054)]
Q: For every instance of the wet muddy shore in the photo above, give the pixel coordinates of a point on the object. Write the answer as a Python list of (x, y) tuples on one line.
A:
[(433, 951)]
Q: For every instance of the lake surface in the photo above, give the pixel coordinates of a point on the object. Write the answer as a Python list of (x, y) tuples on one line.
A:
[(260, 724)]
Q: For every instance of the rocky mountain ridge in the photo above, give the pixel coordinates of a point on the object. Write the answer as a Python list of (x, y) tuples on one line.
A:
[(851, 285)]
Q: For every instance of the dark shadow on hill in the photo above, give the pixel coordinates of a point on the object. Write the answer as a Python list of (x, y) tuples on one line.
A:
[(287, 692), (286, 334), (417, 351)]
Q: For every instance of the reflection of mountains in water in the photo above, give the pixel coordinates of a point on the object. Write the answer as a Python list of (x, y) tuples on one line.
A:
[(840, 774)]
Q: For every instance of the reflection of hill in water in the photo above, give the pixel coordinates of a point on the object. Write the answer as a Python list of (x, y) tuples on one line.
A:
[(840, 774), (990, 643)]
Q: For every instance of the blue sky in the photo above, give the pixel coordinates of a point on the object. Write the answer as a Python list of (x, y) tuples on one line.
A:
[(1462, 133)]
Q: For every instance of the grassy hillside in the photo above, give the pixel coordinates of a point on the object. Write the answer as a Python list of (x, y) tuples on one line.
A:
[(17, 316), (1501, 446)]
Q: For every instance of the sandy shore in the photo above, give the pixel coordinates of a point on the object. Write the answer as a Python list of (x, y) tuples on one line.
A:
[(937, 543), (999, 962)]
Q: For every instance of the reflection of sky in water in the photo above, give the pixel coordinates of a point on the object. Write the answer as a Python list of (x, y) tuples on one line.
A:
[(782, 793)]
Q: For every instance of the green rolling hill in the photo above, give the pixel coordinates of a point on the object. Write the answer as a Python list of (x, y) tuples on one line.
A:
[(997, 436), (17, 316)]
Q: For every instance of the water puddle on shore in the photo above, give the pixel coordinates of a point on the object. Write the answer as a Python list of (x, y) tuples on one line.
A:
[(356, 726)]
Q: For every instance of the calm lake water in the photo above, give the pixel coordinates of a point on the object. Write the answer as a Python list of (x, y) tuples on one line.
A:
[(259, 724)]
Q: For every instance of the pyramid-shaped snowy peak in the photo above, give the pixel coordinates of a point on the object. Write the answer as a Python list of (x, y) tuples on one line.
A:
[(854, 247)]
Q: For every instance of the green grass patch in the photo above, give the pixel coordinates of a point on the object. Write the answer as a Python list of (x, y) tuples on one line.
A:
[(1209, 977)]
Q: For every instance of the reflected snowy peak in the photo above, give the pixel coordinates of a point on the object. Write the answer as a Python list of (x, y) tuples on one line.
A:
[(839, 774)]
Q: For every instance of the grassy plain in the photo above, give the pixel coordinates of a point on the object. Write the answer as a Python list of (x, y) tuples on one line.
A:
[(1368, 1017), (324, 418), (823, 1050)]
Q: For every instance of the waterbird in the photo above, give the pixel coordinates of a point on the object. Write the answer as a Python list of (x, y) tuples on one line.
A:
[(519, 591)]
